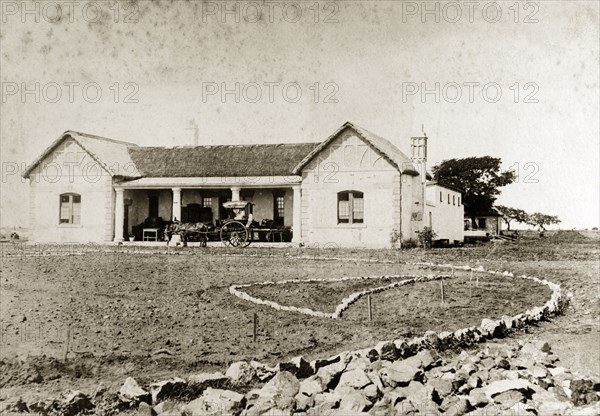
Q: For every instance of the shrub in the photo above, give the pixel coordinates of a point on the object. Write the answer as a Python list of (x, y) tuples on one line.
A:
[(426, 237)]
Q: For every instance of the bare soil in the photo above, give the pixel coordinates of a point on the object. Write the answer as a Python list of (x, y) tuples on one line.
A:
[(153, 314)]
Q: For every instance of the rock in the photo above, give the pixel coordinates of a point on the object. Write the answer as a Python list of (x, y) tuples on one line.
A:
[(478, 398), (317, 364), (494, 329), (456, 406), (503, 363), (356, 379), (311, 386), (76, 402), (130, 391), (536, 349), (400, 373), (330, 373), (169, 408), (428, 358), (371, 392), (241, 373), (298, 366), (509, 398), (500, 386), (166, 389), (420, 395), (522, 409), (303, 402), (583, 393), (281, 390), (145, 409), (351, 400), (263, 372), (442, 387), (389, 352), (216, 402), (324, 402), (216, 379)]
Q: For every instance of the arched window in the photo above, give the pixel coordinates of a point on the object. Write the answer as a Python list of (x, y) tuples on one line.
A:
[(351, 207), (70, 209)]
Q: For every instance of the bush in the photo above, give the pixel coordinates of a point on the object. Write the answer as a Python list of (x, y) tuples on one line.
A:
[(426, 237)]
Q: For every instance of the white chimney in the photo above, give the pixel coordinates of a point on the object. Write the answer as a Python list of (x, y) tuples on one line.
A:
[(418, 154)]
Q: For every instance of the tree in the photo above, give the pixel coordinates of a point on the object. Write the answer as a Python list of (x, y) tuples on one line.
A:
[(509, 214), (478, 178), (541, 220)]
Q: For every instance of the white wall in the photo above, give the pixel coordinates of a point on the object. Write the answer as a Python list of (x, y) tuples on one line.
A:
[(71, 170), (349, 163), (447, 218)]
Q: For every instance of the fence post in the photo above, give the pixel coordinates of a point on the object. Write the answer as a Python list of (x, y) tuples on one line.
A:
[(369, 308)]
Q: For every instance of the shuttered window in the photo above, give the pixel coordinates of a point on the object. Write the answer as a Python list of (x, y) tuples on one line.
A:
[(351, 207), (70, 209)]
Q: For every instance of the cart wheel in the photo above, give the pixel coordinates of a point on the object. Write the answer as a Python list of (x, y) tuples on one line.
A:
[(235, 234)]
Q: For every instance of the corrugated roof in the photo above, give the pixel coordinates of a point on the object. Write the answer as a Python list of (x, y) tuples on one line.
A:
[(226, 161), (111, 154)]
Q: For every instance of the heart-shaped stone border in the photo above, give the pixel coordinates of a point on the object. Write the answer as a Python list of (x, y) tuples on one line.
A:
[(349, 300), (346, 302)]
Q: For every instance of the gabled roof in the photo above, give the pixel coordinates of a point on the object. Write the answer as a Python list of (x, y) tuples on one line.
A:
[(223, 160), (111, 154), (389, 152)]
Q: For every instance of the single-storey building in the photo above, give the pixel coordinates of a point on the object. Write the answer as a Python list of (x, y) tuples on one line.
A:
[(352, 189)]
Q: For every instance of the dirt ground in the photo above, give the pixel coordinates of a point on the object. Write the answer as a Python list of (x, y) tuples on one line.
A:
[(152, 314)]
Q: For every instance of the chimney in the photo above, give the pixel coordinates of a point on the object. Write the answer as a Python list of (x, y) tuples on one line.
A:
[(195, 132), (418, 153)]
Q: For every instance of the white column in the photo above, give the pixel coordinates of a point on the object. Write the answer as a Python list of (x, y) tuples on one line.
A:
[(297, 215), (119, 215), (235, 193), (176, 204)]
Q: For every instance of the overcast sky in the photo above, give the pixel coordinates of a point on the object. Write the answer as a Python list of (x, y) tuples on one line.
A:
[(512, 80)]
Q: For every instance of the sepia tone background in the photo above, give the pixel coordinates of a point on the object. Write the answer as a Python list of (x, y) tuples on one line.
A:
[(154, 63)]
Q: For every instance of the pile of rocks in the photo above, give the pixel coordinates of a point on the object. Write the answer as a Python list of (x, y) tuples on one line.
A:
[(498, 379)]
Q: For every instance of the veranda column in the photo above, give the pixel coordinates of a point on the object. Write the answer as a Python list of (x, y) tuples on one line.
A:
[(119, 215), (235, 193), (176, 204), (297, 215)]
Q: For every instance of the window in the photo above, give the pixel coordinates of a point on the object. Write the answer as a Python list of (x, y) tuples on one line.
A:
[(453, 199), (459, 201), (448, 198), (351, 207), (481, 223), (70, 209), (207, 202), (441, 199), (279, 209)]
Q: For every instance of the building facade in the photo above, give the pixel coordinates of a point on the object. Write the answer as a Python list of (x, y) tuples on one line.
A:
[(353, 189)]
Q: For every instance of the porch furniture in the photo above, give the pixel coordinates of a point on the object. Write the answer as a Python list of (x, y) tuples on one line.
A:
[(150, 234)]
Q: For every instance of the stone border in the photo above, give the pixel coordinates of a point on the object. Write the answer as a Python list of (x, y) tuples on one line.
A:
[(549, 307), (346, 302), (464, 336)]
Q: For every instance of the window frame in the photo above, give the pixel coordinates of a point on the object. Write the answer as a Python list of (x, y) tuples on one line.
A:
[(351, 196), (70, 221)]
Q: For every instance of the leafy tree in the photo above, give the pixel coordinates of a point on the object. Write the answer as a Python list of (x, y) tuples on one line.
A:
[(478, 178), (509, 214), (541, 220)]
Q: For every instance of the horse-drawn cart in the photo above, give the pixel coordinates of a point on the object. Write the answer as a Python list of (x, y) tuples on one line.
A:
[(233, 231)]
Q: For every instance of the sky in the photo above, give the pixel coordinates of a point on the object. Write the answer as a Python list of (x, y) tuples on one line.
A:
[(514, 80)]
